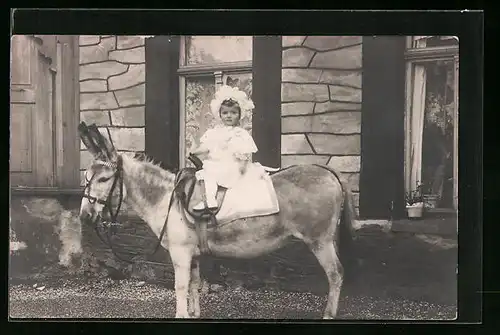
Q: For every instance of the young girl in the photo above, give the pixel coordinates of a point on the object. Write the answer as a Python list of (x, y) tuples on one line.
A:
[(228, 146)]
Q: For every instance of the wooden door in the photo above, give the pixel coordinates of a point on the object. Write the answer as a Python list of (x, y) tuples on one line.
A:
[(31, 125)]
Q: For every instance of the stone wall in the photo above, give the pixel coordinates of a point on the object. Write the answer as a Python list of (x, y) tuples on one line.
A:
[(112, 89), (321, 103), (112, 95)]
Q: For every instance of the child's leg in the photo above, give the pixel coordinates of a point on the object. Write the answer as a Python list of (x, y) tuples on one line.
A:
[(210, 191)]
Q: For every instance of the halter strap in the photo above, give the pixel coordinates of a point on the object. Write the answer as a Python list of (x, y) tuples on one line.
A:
[(107, 163)]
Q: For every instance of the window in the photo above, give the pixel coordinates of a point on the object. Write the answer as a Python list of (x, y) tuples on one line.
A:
[(431, 145), (206, 63)]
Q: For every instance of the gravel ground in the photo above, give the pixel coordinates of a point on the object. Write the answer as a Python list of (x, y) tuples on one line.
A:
[(398, 277), (131, 299)]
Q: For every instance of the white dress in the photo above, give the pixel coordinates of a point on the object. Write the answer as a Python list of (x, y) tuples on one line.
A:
[(227, 146)]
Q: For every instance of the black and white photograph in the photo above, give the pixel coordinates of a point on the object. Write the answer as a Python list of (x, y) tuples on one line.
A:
[(234, 177)]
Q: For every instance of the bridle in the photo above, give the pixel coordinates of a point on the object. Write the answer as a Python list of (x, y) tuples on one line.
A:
[(110, 226), (118, 166)]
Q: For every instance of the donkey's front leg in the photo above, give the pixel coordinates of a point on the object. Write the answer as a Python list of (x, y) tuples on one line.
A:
[(194, 289), (181, 259)]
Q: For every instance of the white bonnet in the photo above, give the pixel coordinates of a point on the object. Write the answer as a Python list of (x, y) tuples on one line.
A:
[(227, 92)]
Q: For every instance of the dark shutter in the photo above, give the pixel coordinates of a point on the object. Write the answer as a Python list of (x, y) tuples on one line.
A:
[(266, 94), (382, 128), (162, 100)]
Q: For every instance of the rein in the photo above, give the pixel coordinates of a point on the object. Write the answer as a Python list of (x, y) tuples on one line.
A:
[(118, 177)]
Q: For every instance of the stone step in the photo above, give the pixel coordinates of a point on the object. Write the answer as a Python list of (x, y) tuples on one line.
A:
[(444, 226)]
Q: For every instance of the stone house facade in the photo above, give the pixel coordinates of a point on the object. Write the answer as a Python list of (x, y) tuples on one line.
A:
[(320, 98), (342, 101), (318, 119)]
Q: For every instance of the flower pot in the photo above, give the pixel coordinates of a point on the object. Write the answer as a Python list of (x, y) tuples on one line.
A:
[(415, 211)]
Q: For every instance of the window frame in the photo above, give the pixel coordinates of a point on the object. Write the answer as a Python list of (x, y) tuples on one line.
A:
[(418, 56), (217, 70)]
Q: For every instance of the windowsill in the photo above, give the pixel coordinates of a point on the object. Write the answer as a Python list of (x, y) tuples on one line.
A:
[(45, 191), (441, 210), (445, 226), (441, 213)]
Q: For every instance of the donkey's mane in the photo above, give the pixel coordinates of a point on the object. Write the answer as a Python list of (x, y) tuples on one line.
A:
[(153, 168)]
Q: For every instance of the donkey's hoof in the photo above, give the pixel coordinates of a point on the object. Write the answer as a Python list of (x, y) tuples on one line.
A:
[(180, 315), (328, 316)]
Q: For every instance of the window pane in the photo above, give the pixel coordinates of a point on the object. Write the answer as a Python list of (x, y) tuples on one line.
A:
[(434, 41), (217, 49), (244, 82), (199, 93), (438, 143)]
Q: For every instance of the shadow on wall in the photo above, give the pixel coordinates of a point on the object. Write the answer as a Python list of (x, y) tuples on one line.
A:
[(43, 235), (48, 241)]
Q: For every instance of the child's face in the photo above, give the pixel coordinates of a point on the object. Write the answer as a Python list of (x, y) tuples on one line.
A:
[(230, 115)]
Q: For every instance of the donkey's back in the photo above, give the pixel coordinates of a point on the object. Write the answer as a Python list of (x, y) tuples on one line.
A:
[(310, 199)]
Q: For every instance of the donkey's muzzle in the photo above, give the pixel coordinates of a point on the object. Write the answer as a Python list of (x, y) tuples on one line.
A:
[(88, 217)]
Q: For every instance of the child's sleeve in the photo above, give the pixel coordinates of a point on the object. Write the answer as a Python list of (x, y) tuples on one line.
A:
[(207, 139)]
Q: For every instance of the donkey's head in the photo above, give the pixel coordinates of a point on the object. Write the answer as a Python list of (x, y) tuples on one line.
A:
[(103, 179)]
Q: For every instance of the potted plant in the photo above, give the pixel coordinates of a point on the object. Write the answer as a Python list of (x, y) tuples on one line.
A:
[(415, 203), (431, 200)]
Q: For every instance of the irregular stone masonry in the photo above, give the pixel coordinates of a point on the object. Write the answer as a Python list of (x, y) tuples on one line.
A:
[(112, 89), (321, 103)]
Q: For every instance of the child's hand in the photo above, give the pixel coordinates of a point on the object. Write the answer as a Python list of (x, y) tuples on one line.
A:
[(199, 150)]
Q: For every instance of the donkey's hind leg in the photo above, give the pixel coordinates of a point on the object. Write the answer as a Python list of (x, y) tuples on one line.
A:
[(194, 289), (329, 260)]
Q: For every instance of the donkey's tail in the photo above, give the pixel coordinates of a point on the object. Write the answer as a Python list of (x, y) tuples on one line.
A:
[(348, 217), (347, 231)]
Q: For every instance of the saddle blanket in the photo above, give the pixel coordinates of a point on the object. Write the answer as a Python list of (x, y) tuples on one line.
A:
[(249, 198)]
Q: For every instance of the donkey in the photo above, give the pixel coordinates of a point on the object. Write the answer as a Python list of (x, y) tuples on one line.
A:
[(315, 206)]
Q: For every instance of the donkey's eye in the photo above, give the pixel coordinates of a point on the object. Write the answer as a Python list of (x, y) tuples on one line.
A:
[(103, 179)]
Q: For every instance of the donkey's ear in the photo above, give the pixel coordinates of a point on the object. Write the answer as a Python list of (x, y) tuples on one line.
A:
[(88, 140), (107, 148)]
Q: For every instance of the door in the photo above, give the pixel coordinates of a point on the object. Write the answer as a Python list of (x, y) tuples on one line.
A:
[(31, 133)]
